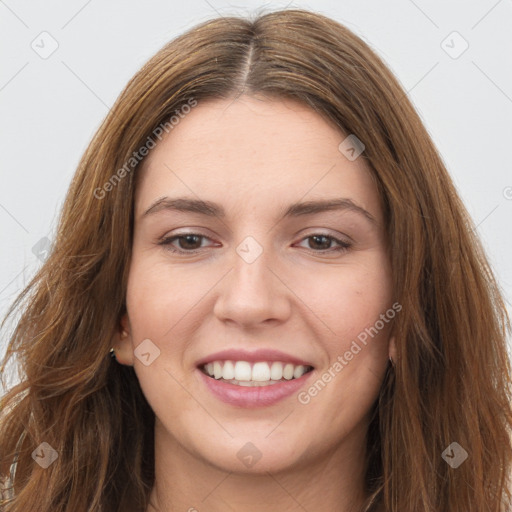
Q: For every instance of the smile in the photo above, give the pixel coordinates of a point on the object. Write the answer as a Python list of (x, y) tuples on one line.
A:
[(253, 385), (261, 373)]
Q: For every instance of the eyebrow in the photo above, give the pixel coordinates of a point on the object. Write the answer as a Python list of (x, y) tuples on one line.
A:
[(211, 209)]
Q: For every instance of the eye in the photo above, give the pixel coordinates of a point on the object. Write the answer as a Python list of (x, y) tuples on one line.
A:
[(187, 242), (323, 243), (190, 243)]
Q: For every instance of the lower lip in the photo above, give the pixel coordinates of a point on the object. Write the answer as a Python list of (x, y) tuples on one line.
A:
[(257, 396)]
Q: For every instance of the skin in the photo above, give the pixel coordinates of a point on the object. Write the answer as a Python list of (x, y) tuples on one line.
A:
[(254, 157)]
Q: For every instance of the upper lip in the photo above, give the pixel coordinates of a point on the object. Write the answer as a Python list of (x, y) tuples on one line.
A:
[(262, 354)]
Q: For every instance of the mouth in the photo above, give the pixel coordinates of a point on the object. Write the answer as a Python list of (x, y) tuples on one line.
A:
[(253, 374)]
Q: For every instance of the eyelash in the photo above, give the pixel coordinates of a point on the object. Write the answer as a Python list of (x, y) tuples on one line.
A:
[(167, 241)]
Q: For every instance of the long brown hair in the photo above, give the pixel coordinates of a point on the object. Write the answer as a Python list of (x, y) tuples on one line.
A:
[(451, 382)]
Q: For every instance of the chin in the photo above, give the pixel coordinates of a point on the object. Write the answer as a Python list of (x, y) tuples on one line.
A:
[(252, 454)]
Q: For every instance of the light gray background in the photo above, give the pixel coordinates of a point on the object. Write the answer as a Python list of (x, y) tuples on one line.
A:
[(50, 107)]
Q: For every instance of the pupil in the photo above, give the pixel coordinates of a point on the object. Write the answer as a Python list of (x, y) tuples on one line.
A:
[(190, 239), (317, 237)]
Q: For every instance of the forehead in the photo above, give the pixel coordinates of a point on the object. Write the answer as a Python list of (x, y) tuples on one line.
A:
[(248, 151)]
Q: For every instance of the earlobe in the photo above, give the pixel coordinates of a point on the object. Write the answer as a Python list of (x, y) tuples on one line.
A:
[(122, 343)]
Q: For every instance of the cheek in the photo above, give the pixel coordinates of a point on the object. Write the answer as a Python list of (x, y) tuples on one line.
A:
[(356, 347), (358, 308), (159, 303), (349, 298), (159, 296), (344, 298), (355, 303)]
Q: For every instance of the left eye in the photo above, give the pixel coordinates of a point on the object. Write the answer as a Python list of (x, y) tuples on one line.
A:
[(189, 239), (191, 242), (322, 240)]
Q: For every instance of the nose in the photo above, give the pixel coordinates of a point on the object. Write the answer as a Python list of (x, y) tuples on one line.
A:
[(253, 293)]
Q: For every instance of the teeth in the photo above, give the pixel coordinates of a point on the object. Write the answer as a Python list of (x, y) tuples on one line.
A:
[(217, 369), (260, 372), (288, 371), (244, 373), (299, 371), (252, 384), (276, 371), (228, 371)]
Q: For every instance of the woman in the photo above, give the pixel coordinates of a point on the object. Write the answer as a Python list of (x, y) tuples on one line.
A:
[(300, 314)]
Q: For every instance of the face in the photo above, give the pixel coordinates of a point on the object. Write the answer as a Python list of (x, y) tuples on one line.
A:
[(260, 282)]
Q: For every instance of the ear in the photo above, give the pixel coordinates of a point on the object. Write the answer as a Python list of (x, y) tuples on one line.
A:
[(392, 349), (122, 342)]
